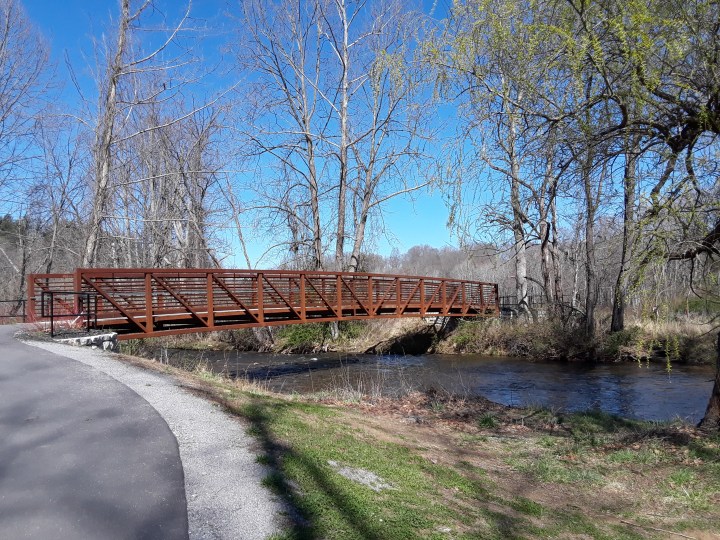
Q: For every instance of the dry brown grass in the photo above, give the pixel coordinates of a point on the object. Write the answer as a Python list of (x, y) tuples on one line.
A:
[(377, 331), (686, 340)]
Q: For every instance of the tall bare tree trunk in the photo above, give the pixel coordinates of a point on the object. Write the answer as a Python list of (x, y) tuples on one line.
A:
[(591, 285), (344, 113), (555, 255), (361, 223), (103, 144), (544, 233), (622, 283), (521, 282), (314, 193)]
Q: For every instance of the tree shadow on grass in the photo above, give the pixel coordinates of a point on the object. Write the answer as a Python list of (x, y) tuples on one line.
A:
[(356, 520), (302, 525)]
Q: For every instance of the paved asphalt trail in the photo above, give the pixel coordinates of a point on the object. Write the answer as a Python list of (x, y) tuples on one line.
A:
[(81, 455)]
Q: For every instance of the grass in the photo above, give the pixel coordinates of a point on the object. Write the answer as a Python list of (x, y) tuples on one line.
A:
[(338, 507), (683, 339), (487, 421), (554, 470), (526, 506), (644, 456), (684, 488), (472, 469), (431, 497)]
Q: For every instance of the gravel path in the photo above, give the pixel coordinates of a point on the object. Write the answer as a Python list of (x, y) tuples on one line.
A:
[(222, 479)]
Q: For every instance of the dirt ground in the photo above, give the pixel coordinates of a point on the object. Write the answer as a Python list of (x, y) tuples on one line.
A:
[(446, 431)]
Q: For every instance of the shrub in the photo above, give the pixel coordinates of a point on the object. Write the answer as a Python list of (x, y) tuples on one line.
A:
[(241, 340), (616, 345), (351, 329), (303, 338), (545, 339)]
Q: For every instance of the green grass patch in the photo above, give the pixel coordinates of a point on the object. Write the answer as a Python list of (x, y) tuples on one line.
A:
[(615, 343), (707, 449), (551, 469), (685, 488), (598, 422), (309, 443), (424, 496), (352, 329), (465, 334), (526, 506), (487, 421), (645, 456), (275, 482)]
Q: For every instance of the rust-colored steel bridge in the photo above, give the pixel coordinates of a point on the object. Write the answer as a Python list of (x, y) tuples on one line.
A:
[(146, 302)]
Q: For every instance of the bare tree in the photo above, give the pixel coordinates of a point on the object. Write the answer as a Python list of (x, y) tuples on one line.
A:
[(123, 92), (23, 82), (490, 67), (334, 119), (171, 189), (23, 85), (285, 120)]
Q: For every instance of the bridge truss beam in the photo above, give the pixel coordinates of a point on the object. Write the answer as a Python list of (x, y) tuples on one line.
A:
[(148, 302)]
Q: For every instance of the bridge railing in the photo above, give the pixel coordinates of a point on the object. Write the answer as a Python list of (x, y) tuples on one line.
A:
[(150, 302)]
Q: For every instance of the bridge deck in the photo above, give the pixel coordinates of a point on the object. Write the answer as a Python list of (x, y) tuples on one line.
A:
[(148, 302)]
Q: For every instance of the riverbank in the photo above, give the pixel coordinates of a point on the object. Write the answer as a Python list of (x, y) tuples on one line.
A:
[(685, 341), (434, 466)]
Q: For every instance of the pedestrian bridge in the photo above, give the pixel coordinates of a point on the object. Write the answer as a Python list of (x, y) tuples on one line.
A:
[(148, 302)]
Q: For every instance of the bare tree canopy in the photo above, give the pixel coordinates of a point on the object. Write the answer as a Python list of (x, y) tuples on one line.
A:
[(336, 111)]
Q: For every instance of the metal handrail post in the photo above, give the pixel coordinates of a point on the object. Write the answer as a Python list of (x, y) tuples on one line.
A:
[(87, 314), (52, 314)]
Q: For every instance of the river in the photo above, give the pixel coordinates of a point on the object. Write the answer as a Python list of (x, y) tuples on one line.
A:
[(634, 390)]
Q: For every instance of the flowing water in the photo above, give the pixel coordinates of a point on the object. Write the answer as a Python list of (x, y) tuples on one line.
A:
[(643, 391)]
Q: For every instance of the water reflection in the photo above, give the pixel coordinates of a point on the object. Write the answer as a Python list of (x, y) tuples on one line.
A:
[(633, 390)]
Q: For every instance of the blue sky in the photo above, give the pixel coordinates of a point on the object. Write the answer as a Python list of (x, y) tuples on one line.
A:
[(70, 27)]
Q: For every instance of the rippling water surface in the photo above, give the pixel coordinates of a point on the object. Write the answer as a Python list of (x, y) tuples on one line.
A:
[(634, 390)]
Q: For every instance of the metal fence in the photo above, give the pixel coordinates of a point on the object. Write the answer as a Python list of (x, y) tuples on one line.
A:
[(509, 306), (73, 309)]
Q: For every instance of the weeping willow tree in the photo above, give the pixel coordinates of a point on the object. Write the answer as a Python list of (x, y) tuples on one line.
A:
[(619, 103)]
